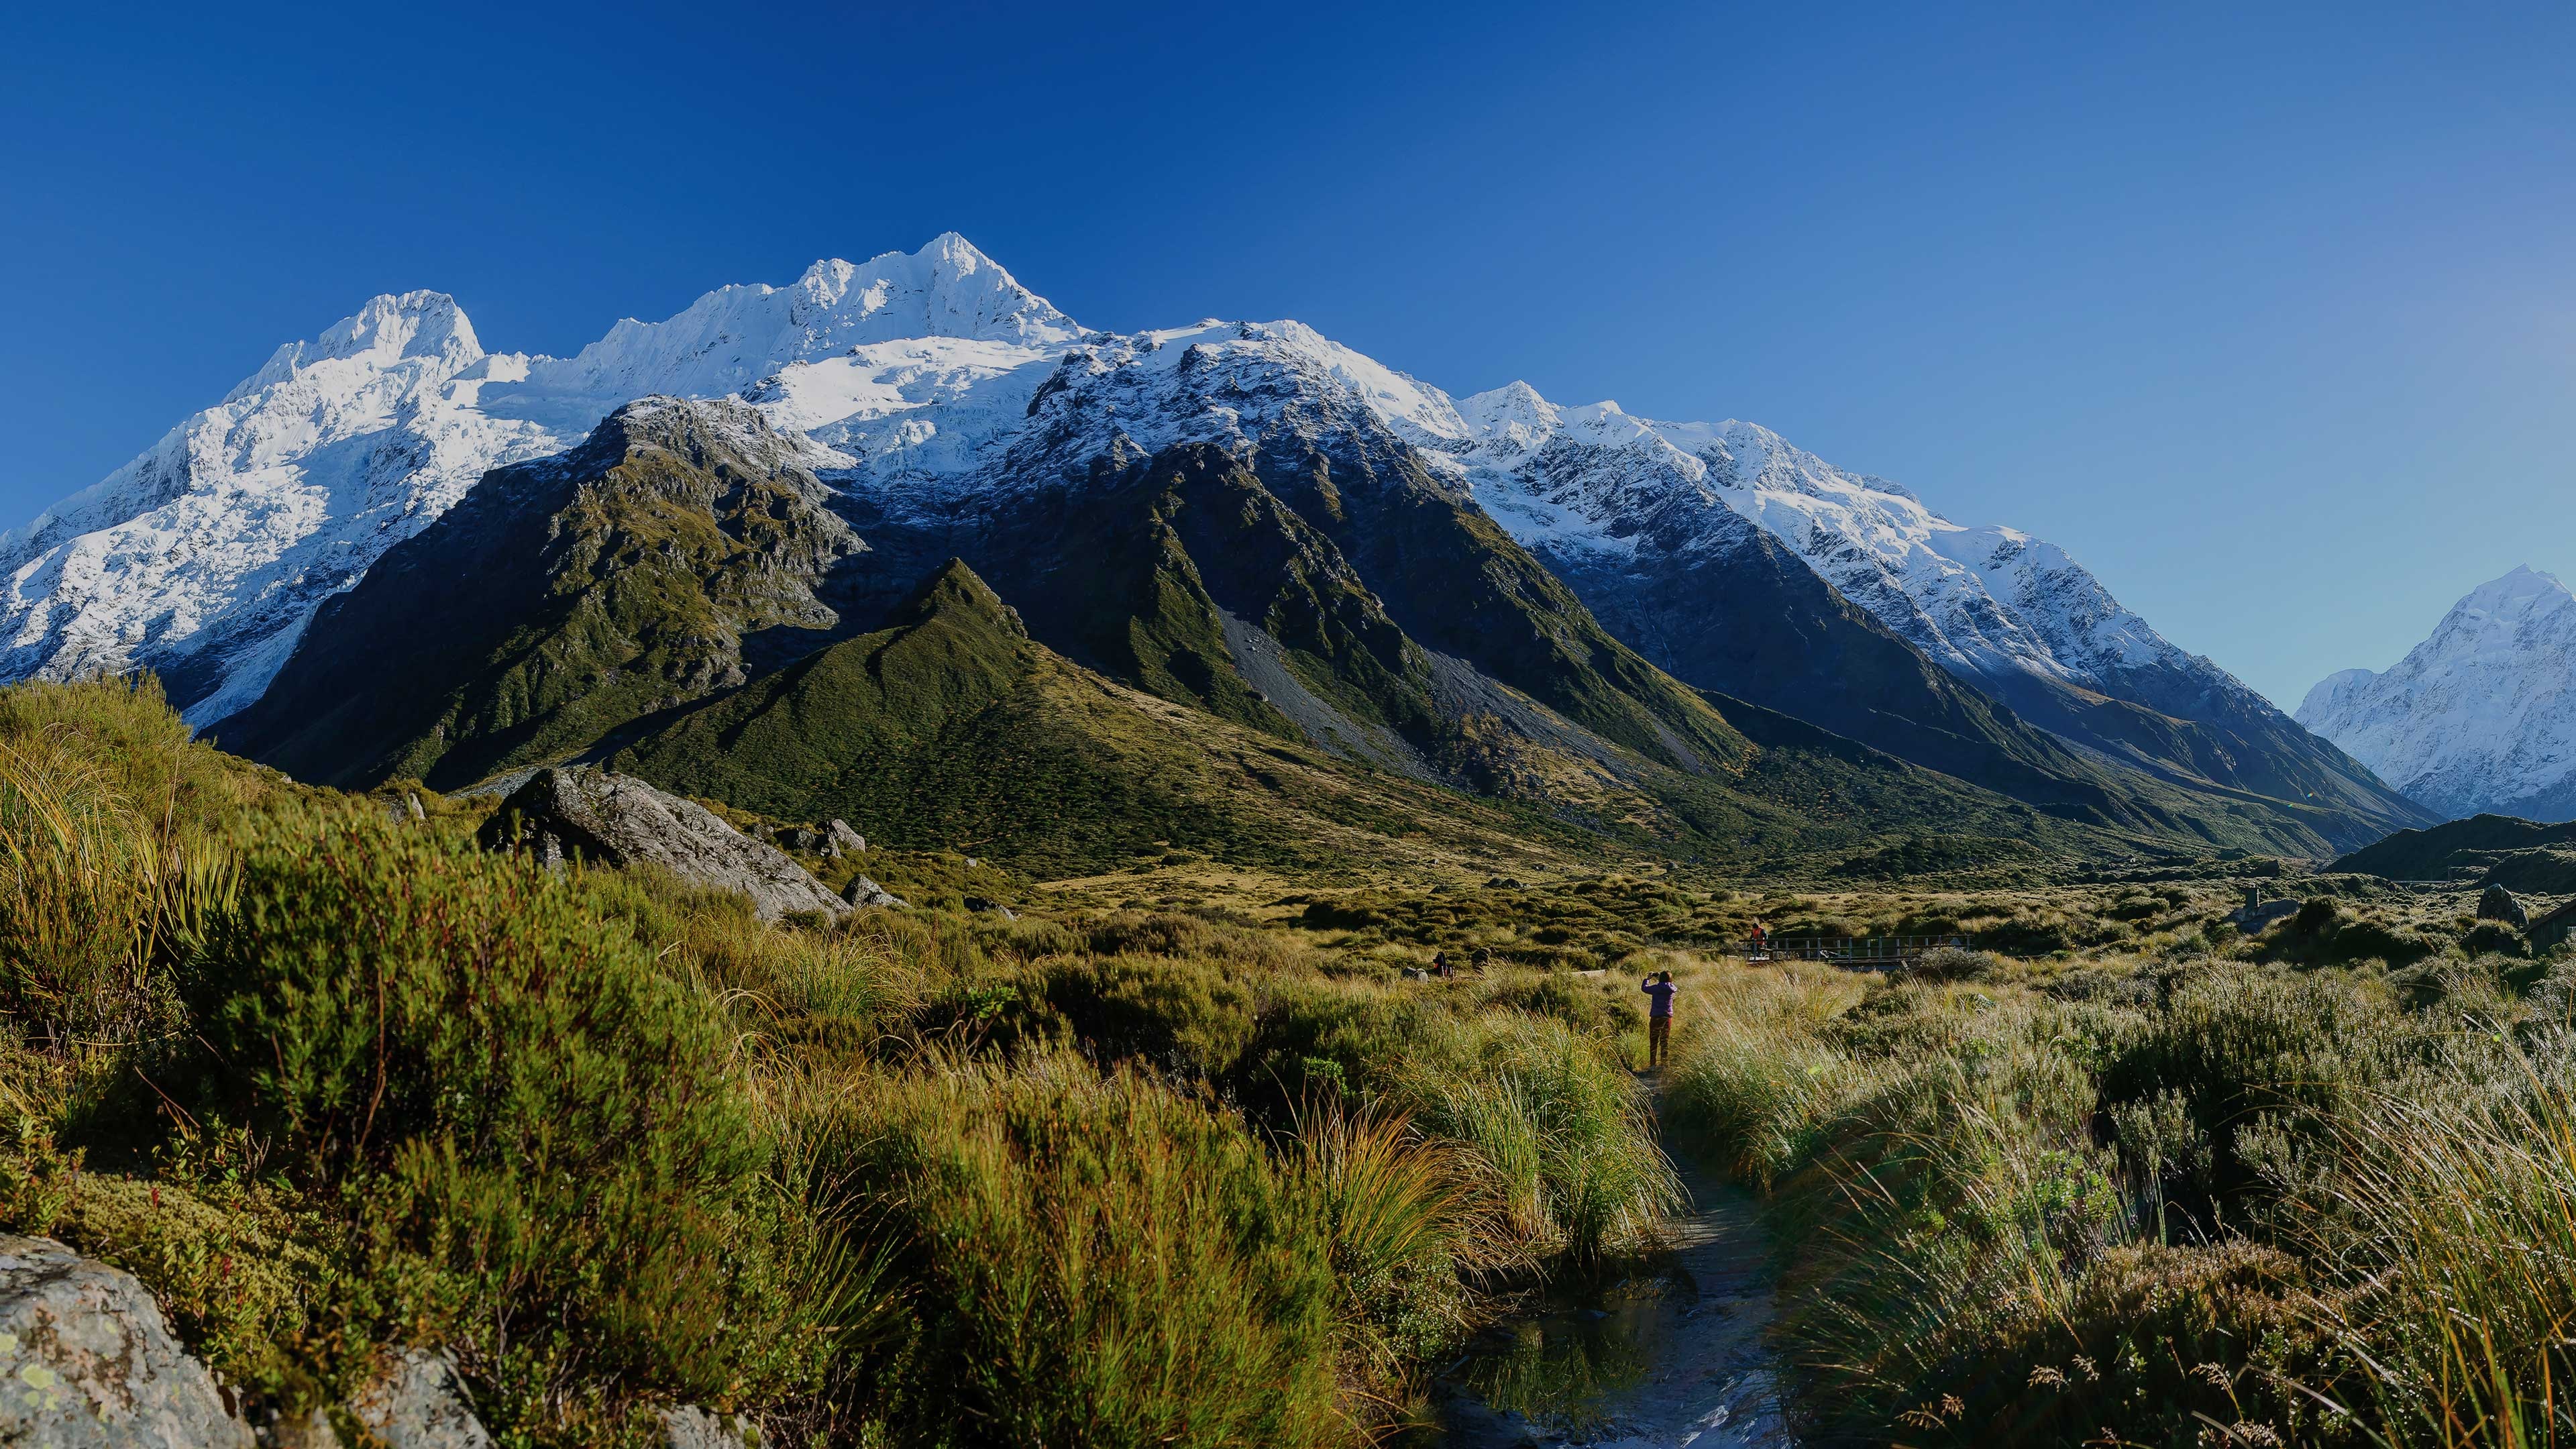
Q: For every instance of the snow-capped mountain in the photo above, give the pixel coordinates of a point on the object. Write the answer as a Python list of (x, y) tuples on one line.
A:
[(1603, 497), (203, 558), (946, 390), (2481, 716)]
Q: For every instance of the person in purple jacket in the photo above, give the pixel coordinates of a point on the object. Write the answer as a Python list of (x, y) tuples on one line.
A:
[(1659, 989)]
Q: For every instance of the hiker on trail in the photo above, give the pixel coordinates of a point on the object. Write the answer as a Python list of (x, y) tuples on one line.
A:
[(1482, 958), (1659, 989), (1440, 965)]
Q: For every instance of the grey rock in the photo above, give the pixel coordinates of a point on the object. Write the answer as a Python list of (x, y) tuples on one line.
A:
[(419, 1402), (863, 893), (590, 814), (981, 904), (309, 1430), (2498, 904), (87, 1360), (846, 838), (690, 1427), (2255, 920)]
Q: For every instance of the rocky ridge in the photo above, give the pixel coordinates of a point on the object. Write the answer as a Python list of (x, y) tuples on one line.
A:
[(948, 395)]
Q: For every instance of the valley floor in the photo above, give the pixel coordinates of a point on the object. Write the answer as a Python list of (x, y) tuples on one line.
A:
[(345, 1089)]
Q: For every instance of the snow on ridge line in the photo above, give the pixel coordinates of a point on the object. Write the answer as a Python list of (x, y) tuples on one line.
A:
[(2481, 715), (925, 371), (209, 551)]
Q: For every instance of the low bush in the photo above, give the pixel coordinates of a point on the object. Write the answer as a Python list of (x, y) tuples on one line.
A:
[(531, 1126)]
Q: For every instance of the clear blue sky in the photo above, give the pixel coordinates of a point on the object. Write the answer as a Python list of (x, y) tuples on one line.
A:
[(2270, 319)]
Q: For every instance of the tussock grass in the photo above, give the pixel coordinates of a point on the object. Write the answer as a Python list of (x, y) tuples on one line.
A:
[(615, 1143)]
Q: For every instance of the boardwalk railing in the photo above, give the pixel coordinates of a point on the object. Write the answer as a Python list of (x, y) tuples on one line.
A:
[(1880, 952)]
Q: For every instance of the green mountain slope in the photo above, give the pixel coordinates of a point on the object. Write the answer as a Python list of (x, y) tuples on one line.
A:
[(1296, 666), (952, 727), (559, 600), (2480, 843)]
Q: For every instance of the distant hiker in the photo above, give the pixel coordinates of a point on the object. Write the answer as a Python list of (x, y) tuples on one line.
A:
[(1481, 959), (1440, 965), (1659, 989)]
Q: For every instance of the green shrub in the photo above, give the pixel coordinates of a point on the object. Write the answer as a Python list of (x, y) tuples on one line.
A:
[(2235, 1043), (534, 1129), (242, 1270), (2178, 1347)]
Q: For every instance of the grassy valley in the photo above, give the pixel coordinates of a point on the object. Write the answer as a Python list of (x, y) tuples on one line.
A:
[(325, 1075)]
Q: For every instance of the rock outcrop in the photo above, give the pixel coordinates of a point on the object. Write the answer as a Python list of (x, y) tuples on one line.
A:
[(419, 1402), (590, 814), (2254, 920), (2498, 904), (845, 839), (690, 1427), (864, 893), (87, 1360)]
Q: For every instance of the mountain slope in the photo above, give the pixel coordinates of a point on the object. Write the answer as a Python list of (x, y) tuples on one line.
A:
[(570, 596), (1664, 504), (2481, 716), (615, 603), (2479, 843), (1709, 595), (204, 558), (959, 406)]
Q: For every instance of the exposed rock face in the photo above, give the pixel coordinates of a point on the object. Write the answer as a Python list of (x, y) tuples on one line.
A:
[(846, 839), (88, 1360), (690, 1427), (420, 1403), (863, 892), (594, 815), (2254, 920), (2498, 904)]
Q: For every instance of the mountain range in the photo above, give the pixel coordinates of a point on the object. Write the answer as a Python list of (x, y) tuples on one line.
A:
[(2480, 718), (392, 553)]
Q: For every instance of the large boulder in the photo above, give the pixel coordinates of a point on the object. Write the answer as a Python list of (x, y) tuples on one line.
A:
[(419, 1402), (85, 1359), (415, 1401), (863, 893), (590, 814), (690, 1427), (2498, 904)]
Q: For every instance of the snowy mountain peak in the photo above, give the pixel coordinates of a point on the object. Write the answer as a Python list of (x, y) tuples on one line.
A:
[(946, 289), (2515, 595), (1511, 417), (2481, 716), (389, 329), (736, 337)]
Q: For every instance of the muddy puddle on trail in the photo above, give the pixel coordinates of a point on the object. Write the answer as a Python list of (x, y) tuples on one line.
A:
[(1670, 1358)]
